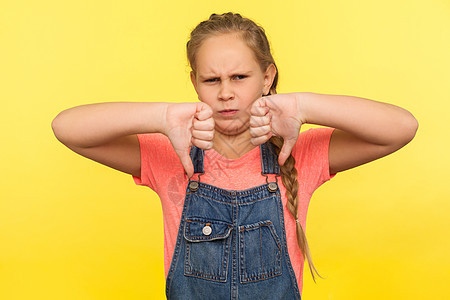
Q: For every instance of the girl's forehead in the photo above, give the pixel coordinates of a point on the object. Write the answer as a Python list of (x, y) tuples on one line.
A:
[(225, 52)]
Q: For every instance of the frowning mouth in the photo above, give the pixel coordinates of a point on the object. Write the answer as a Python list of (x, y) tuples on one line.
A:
[(228, 112)]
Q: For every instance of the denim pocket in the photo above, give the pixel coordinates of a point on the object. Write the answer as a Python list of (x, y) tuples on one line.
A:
[(259, 252), (207, 248)]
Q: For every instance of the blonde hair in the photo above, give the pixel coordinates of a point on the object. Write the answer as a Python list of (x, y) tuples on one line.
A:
[(256, 39)]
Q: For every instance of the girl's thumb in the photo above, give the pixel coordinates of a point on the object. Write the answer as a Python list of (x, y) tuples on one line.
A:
[(286, 150), (187, 163)]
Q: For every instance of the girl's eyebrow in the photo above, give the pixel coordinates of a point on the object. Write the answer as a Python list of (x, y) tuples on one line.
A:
[(209, 76), (242, 73)]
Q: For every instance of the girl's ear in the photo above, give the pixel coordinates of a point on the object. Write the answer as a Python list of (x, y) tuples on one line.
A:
[(269, 76), (194, 81)]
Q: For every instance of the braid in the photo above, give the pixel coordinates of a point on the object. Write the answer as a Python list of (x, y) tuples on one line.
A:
[(290, 182)]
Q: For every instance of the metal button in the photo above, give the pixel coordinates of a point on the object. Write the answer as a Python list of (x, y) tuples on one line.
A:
[(207, 230), (193, 186), (272, 186)]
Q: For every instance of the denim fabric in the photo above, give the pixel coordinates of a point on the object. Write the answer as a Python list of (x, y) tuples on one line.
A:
[(269, 160), (232, 244)]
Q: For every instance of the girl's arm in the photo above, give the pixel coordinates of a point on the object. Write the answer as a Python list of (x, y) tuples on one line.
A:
[(365, 129), (106, 132)]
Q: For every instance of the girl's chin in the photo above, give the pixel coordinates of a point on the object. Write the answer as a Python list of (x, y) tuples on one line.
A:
[(232, 129)]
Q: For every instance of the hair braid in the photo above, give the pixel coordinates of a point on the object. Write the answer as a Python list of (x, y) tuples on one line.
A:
[(290, 182)]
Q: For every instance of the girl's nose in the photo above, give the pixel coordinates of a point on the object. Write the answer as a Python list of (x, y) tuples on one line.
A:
[(226, 92)]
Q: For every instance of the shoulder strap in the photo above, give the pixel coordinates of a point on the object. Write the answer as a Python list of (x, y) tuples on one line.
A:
[(269, 159), (197, 155)]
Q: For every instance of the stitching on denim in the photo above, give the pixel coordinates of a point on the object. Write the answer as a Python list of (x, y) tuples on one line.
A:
[(197, 156), (177, 249), (206, 276), (246, 280), (238, 204), (269, 161), (263, 275), (286, 254), (233, 193), (220, 277), (209, 221), (255, 227), (225, 258), (208, 238), (275, 236), (189, 272), (263, 156), (260, 248), (235, 251)]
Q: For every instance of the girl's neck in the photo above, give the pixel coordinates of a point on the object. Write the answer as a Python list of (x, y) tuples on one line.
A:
[(232, 146)]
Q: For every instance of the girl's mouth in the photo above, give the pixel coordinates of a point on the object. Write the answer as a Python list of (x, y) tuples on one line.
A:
[(228, 112)]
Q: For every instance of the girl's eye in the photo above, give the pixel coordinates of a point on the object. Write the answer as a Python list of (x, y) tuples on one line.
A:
[(238, 77), (211, 80)]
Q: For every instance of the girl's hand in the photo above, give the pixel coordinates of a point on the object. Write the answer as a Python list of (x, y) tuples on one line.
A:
[(188, 124), (277, 115)]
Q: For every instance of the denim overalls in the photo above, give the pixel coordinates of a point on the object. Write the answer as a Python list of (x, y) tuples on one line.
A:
[(232, 244)]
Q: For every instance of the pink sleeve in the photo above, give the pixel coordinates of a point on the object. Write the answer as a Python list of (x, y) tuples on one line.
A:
[(311, 153), (157, 157)]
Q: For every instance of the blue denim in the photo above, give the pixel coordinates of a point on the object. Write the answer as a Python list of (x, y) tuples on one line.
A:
[(232, 244)]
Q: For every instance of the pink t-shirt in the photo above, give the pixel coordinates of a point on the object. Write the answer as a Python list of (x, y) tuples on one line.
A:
[(161, 170)]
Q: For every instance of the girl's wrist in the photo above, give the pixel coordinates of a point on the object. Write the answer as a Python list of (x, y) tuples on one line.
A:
[(152, 118), (164, 118), (302, 107)]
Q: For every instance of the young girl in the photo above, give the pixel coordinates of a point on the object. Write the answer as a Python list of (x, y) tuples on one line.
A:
[(233, 174)]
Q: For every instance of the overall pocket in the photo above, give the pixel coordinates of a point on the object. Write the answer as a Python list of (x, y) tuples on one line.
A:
[(259, 252), (207, 248)]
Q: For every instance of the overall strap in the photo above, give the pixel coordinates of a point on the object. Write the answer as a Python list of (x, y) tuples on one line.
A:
[(269, 159), (197, 155)]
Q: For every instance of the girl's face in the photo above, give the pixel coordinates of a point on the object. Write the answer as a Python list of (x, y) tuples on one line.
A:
[(229, 79)]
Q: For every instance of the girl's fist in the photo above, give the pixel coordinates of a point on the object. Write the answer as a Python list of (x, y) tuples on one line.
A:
[(278, 115), (188, 124)]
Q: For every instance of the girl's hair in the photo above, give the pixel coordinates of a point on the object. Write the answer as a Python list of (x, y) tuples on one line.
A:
[(256, 39)]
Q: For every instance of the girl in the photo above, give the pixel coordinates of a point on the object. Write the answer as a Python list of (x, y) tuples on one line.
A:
[(232, 229)]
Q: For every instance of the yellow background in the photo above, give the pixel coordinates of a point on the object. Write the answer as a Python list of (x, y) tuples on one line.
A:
[(74, 229)]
